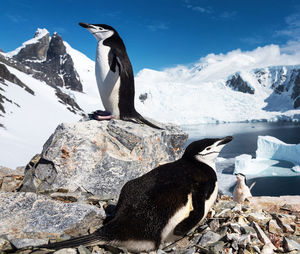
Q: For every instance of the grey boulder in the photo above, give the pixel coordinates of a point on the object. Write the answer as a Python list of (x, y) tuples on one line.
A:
[(99, 157), (27, 219)]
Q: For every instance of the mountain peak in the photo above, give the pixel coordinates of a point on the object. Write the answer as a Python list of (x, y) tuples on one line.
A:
[(41, 32)]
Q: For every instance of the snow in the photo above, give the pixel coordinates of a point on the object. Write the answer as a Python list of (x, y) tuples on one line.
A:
[(185, 95), (199, 93), (296, 168), (273, 158), (86, 70), (30, 125), (41, 32)]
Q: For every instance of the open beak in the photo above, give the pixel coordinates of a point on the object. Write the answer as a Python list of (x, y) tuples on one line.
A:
[(225, 140)]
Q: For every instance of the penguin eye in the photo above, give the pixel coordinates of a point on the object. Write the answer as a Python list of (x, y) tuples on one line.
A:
[(208, 148)]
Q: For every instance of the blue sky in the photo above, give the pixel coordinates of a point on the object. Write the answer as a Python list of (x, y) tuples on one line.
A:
[(158, 34)]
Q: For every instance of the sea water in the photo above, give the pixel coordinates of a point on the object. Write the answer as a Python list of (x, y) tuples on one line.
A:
[(274, 181)]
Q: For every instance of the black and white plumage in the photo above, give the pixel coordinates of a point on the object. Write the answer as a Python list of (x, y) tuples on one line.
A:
[(114, 75), (163, 204)]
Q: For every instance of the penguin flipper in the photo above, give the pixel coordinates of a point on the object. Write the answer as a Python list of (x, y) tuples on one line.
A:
[(188, 224), (195, 216), (252, 185)]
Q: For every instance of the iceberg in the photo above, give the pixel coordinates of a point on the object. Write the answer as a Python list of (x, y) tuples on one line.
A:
[(273, 158), (269, 147)]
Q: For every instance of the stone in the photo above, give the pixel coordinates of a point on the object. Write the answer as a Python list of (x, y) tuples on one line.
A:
[(271, 204), (259, 217), (185, 251), (263, 237), (274, 228), (37, 217), (244, 240), (24, 242), (208, 238), (226, 213), (290, 245), (10, 180), (99, 157), (83, 250), (66, 251), (284, 221), (11, 183), (216, 247), (214, 225), (5, 245), (65, 197), (236, 228), (248, 230)]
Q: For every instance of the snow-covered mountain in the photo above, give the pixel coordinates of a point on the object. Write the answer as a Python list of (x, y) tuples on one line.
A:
[(45, 82), (239, 86), (42, 83)]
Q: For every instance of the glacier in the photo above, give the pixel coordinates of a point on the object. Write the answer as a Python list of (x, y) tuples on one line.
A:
[(273, 158)]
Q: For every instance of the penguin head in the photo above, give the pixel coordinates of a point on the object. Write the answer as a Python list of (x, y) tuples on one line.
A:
[(241, 178), (206, 150), (100, 31)]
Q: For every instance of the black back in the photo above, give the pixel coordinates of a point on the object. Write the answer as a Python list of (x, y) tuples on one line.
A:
[(118, 51), (146, 203)]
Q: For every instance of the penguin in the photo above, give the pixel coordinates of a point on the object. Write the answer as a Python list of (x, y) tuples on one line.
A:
[(241, 191), (114, 76), (162, 205)]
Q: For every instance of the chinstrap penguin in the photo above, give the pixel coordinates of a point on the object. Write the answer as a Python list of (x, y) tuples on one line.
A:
[(162, 205), (241, 191), (114, 76)]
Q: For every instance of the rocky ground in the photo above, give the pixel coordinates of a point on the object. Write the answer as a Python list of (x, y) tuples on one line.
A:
[(260, 225), (54, 198)]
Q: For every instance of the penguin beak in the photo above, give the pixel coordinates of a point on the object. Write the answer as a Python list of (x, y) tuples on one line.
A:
[(84, 25), (225, 140)]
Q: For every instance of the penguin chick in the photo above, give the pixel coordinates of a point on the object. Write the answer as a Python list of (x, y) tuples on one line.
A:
[(241, 190), (114, 76), (163, 204)]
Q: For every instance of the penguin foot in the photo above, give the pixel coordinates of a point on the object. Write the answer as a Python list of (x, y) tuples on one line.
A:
[(100, 115)]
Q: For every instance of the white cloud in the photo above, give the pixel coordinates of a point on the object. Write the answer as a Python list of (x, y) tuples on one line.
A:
[(158, 26), (199, 8), (16, 18), (219, 66), (228, 14), (292, 32), (253, 40)]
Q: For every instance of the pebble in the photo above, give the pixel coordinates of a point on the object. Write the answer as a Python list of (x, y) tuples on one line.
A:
[(230, 229), (274, 228)]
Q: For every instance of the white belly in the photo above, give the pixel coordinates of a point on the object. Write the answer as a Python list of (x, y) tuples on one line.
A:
[(179, 216), (108, 82), (209, 203)]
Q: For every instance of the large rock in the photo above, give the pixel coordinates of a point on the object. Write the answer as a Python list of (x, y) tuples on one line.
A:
[(28, 216), (100, 157), (10, 180), (237, 83), (35, 49)]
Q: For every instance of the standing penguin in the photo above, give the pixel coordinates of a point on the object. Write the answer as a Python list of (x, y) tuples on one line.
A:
[(114, 76), (241, 190), (163, 204)]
